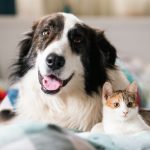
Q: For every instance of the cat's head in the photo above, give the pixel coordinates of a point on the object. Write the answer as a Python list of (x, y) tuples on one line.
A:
[(122, 104)]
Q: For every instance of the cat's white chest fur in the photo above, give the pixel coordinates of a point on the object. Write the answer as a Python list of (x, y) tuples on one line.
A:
[(110, 126), (134, 125)]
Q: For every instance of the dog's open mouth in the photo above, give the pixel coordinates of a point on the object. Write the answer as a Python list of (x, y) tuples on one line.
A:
[(51, 84)]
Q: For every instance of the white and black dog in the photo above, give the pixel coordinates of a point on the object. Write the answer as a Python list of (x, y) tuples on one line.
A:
[(62, 66)]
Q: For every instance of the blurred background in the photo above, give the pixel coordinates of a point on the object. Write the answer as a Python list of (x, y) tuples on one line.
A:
[(126, 24)]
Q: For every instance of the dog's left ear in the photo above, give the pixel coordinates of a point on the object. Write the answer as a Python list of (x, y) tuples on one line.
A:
[(22, 64), (26, 43), (105, 46)]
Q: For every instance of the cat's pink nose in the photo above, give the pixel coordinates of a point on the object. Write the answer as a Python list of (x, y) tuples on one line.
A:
[(125, 113)]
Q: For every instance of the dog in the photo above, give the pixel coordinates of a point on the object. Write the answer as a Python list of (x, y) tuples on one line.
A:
[(62, 66)]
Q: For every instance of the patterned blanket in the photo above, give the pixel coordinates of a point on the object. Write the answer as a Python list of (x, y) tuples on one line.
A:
[(37, 136)]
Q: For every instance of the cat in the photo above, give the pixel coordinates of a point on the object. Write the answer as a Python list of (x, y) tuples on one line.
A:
[(120, 111)]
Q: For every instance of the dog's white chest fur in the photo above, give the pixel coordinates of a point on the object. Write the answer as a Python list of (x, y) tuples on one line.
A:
[(72, 108)]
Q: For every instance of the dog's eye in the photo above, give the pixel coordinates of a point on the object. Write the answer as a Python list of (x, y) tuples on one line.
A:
[(49, 29), (77, 39), (45, 32)]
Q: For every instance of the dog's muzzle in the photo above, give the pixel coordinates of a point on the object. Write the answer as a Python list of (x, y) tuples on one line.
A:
[(51, 84)]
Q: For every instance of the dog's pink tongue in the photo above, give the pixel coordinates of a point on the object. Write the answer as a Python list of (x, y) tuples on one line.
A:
[(51, 84)]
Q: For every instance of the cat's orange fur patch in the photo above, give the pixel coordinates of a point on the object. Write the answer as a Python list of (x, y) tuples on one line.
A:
[(114, 99)]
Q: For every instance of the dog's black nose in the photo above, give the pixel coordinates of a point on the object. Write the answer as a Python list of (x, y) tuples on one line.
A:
[(55, 61)]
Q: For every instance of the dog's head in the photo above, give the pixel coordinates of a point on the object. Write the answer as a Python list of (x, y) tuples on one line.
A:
[(62, 48)]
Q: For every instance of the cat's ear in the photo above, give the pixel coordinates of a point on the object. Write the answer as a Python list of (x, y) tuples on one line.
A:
[(132, 87), (107, 90)]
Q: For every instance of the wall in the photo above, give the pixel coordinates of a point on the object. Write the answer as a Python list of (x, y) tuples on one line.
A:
[(27, 8)]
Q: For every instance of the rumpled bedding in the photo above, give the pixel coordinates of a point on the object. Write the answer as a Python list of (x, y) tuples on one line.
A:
[(138, 141), (37, 136)]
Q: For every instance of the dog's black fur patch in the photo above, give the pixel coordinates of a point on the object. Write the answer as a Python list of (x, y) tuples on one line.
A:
[(97, 55)]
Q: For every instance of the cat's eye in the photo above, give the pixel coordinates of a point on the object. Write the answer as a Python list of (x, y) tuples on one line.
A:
[(130, 104), (116, 105)]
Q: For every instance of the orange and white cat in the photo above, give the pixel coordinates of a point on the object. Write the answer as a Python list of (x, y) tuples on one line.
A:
[(120, 111)]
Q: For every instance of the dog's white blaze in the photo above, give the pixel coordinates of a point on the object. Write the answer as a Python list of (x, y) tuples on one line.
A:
[(62, 48)]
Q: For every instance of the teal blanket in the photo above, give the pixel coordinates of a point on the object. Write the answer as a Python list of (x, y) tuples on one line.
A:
[(139, 141), (37, 136)]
